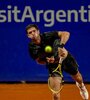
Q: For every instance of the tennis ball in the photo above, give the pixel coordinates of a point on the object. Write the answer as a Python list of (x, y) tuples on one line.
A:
[(48, 49)]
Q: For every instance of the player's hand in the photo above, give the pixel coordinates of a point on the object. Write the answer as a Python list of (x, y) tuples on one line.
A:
[(50, 59), (62, 52)]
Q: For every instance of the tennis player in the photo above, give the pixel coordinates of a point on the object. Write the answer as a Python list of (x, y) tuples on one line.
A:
[(69, 64)]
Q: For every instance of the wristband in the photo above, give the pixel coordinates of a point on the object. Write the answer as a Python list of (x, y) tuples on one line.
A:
[(61, 45)]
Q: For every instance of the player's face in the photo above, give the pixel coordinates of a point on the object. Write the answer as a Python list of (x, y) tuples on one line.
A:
[(33, 33)]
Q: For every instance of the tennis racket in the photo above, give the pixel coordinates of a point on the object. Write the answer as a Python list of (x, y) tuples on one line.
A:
[(55, 82)]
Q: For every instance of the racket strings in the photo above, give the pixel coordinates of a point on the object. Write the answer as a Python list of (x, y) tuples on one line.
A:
[(55, 84)]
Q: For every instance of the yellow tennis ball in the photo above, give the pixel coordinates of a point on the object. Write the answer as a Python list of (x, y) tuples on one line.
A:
[(48, 49)]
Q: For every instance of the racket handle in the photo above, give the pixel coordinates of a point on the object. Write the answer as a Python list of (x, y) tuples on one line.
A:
[(60, 60)]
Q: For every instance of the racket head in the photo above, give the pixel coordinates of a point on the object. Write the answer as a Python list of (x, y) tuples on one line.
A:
[(55, 83)]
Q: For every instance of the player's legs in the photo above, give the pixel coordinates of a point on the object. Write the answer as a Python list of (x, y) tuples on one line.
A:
[(80, 85), (70, 66), (56, 96), (78, 78), (55, 84)]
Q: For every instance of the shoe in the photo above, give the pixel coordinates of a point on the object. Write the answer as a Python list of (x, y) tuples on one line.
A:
[(83, 91)]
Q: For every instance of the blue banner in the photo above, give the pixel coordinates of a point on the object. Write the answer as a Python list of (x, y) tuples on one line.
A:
[(15, 15)]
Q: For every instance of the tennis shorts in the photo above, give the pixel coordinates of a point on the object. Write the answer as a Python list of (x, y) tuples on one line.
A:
[(69, 65)]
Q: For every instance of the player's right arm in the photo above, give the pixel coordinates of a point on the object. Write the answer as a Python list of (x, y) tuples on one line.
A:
[(64, 36)]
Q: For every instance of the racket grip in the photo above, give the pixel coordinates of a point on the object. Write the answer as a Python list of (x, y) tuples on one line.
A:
[(60, 60)]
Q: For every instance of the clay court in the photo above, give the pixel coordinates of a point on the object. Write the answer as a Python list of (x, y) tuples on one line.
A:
[(38, 91)]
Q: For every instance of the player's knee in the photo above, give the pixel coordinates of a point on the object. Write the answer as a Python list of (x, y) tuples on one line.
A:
[(79, 77)]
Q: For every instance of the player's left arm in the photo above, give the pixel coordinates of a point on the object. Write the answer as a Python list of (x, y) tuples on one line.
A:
[(39, 61), (64, 36)]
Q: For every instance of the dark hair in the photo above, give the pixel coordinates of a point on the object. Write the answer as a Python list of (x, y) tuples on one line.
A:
[(30, 26)]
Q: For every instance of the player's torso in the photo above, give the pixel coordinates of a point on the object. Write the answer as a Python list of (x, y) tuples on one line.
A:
[(46, 39)]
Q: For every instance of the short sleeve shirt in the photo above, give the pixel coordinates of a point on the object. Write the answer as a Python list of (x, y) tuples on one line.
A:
[(47, 38)]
